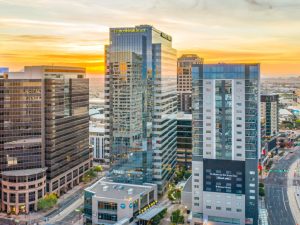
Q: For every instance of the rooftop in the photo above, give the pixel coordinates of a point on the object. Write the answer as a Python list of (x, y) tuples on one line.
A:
[(108, 189), (96, 129), (184, 116), (26, 141), (18, 173)]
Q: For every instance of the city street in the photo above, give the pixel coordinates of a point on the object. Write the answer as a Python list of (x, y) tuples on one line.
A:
[(276, 190)]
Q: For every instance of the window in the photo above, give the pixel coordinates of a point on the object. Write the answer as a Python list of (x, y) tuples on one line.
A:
[(238, 210), (252, 172), (111, 206), (208, 207), (252, 197), (196, 198), (252, 185), (218, 208), (196, 204), (228, 209)]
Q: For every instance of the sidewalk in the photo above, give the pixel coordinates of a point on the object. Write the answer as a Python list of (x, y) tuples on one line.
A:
[(291, 193), (34, 217), (60, 216)]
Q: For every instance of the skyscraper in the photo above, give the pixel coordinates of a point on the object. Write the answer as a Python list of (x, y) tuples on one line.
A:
[(44, 134), (270, 113), (226, 139), (184, 81), (141, 105)]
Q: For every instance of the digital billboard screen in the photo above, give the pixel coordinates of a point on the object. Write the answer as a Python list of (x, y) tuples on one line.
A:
[(224, 176)]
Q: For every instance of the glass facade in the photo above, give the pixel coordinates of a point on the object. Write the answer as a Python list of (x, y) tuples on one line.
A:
[(184, 81), (140, 93), (223, 112), (226, 135), (20, 124), (67, 124)]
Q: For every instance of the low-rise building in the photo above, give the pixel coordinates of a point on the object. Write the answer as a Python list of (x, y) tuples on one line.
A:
[(108, 202)]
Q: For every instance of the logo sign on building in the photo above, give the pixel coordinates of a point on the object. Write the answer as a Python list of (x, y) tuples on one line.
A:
[(165, 36), (224, 176)]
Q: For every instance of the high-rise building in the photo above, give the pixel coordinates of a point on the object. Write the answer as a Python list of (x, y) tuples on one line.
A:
[(44, 129), (3, 70), (270, 113), (226, 142), (141, 105), (184, 81), (97, 141), (184, 140)]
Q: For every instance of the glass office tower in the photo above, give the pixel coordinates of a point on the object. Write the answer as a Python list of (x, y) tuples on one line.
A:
[(184, 81), (226, 141), (141, 105)]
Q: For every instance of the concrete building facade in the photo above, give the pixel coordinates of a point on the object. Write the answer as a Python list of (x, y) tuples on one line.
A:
[(270, 113), (226, 143), (44, 141), (184, 81)]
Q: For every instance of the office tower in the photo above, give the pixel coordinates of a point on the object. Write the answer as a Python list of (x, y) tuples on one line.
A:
[(3, 70), (226, 139), (270, 113), (141, 105), (21, 160), (184, 140), (184, 81), (44, 134)]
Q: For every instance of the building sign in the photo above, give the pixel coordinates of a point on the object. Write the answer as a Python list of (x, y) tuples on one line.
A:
[(224, 176), (165, 36), (129, 30)]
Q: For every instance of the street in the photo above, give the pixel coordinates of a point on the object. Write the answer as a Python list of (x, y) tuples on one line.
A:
[(276, 191)]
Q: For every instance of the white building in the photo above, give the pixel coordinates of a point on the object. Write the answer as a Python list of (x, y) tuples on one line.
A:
[(97, 141), (107, 202), (226, 139)]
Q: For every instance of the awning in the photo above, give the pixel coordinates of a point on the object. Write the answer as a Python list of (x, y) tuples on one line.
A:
[(150, 213)]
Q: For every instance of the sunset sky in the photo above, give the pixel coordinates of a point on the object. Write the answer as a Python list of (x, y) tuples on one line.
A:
[(73, 32)]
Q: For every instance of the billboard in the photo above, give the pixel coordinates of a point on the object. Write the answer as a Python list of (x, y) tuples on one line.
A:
[(224, 176)]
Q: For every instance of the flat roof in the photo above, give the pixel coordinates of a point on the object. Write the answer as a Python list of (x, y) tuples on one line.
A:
[(184, 116), (150, 213), (96, 129), (109, 189), (18, 173), (26, 141)]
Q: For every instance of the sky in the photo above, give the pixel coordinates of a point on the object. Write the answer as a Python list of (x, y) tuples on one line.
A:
[(74, 32)]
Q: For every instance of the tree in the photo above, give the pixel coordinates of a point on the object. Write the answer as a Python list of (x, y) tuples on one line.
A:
[(177, 217), (89, 175), (261, 192), (156, 219), (47, 202), (261, 185), (98, 169), (297, 123)]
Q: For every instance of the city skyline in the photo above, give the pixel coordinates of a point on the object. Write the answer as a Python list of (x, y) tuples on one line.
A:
[(74, 33)]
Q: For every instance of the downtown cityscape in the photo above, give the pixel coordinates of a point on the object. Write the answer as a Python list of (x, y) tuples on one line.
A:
[(149, 129)]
